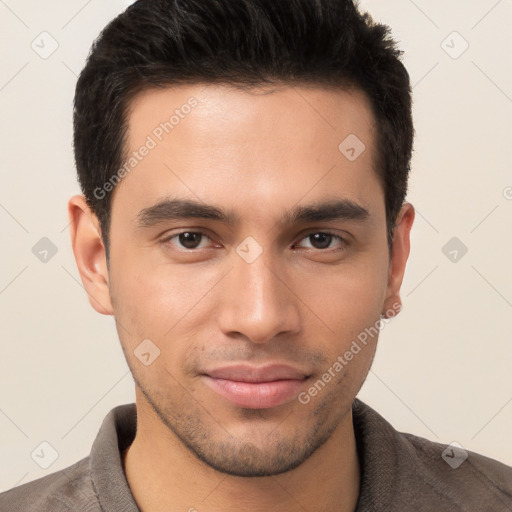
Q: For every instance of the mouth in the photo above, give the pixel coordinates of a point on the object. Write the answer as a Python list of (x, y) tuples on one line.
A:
[(256, 387)]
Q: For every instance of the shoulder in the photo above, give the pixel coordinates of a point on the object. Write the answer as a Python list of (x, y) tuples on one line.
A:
[(470, 481), (63, 491), (402, 471)]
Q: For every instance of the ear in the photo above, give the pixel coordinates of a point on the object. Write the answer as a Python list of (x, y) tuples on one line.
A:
[(90, 254), (400, 249)]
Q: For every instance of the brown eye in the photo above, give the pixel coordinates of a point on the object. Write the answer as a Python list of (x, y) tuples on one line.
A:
[(322, 240), (188, 240)]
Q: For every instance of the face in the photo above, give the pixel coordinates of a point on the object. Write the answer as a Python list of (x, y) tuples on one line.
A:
[(249, 251)]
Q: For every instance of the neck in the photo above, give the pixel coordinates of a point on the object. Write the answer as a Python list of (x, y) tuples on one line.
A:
[(164, 475)]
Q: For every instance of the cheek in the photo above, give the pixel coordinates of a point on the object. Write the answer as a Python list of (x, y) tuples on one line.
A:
[(155, 304), (348, 302), (158, 301), (345, 297)]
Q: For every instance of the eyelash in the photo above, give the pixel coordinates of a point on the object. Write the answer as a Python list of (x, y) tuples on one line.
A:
[(167, 240)]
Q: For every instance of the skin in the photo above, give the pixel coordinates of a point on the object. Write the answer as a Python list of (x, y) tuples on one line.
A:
[(300, 302)]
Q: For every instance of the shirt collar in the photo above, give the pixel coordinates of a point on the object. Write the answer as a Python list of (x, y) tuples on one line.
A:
[(377, 450), (109, 480)]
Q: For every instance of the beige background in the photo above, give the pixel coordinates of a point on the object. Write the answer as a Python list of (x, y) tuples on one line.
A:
[(443, 368)]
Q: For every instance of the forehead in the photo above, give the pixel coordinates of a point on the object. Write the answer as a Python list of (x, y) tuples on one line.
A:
[(224, 109), (221, 145)]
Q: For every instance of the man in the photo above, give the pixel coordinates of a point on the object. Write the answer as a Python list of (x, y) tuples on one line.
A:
[(244, 167)]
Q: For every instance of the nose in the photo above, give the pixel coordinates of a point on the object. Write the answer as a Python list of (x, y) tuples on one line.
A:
[(258, 302)]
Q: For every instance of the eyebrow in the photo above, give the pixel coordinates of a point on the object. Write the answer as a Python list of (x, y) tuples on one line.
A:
[(180, 209)]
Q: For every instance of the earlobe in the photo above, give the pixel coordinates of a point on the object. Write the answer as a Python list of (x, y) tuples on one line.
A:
[(90, 254), (399, 254)]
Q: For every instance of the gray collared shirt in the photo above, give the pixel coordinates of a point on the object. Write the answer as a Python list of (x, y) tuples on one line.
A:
[(399, 472)]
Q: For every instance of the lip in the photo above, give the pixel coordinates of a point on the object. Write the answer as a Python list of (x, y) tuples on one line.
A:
[(256, 387)]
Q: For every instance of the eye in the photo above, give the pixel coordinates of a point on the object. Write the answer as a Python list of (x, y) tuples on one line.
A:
[(322, 240), (188, 240)]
